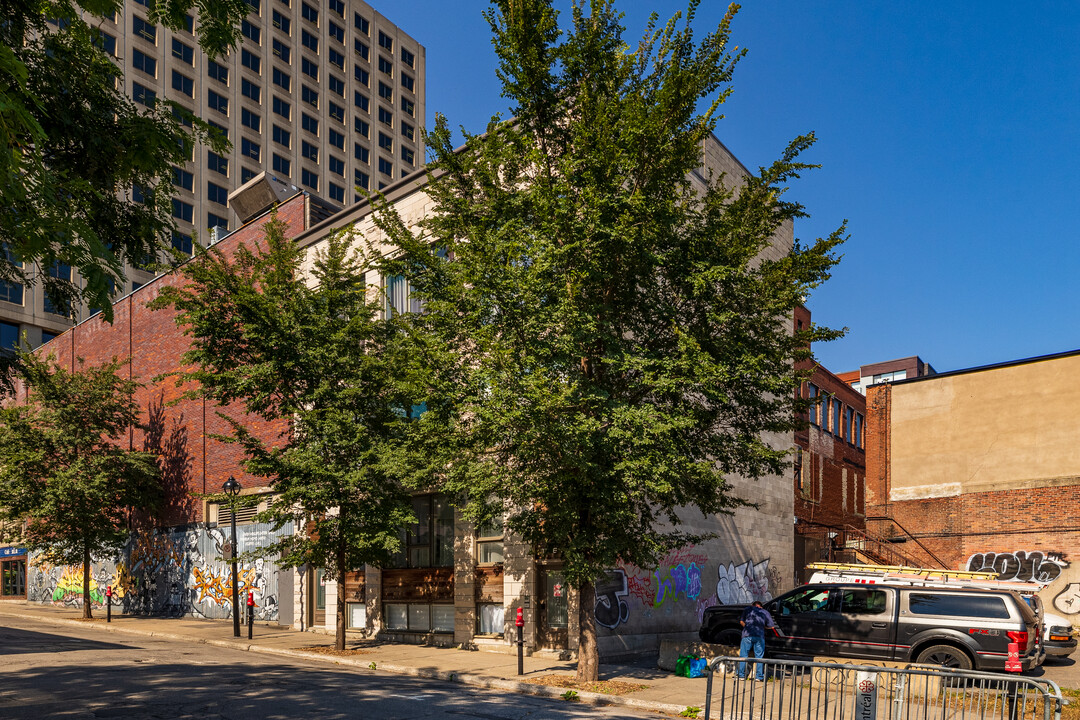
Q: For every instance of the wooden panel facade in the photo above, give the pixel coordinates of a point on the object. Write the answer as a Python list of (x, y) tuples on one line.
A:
[(354, 586), (489, 584), (418, 585)]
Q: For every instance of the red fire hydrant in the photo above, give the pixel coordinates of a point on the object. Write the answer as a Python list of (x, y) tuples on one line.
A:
[(520, 622)]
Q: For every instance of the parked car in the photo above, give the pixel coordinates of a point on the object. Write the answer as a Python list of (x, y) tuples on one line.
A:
[(1057, 636), (1058, 639), (956, 628)]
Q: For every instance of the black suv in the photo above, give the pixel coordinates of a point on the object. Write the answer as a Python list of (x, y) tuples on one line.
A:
[(955, 628)]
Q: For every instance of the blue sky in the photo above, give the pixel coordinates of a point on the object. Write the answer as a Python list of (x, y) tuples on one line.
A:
[(947, 134)]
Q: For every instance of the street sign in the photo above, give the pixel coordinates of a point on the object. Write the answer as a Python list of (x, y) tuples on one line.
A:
[(11, 551)]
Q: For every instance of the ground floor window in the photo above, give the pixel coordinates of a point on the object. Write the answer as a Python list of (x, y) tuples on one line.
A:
[(357, 614), (419, 617), (490, 618)]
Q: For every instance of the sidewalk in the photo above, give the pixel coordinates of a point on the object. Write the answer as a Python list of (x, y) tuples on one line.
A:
[(665, 692)]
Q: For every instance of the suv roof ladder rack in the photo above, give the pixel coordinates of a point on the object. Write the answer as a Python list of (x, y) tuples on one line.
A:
[(925, 573)]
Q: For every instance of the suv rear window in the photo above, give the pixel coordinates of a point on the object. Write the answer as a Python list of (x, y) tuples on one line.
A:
[(862, 601), (983, 606)]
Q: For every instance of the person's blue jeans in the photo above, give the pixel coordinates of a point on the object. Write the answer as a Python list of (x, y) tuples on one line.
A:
[(757, 644)]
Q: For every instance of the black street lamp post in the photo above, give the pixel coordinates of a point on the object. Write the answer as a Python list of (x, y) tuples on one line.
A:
[(232, 489)]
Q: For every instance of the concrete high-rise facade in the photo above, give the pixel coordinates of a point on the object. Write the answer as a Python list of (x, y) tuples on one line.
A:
[(327, 95)]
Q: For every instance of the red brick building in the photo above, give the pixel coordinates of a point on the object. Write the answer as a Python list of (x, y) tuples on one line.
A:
[(830, 468), (176, 568)]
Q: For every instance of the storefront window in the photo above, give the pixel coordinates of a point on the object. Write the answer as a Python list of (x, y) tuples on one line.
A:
[(442, 618), (419, 617), (397, 616), (357, 615)]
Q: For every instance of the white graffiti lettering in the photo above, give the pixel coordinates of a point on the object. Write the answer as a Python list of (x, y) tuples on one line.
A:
[(745, 583)]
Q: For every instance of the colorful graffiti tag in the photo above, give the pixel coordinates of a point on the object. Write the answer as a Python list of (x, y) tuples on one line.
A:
[(745, 583), (679, 578), (1021, 565), (674, 575), (676, 580), (172, 573)]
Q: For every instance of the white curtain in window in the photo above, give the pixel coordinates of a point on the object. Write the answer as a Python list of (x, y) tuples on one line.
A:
[(492, 618)]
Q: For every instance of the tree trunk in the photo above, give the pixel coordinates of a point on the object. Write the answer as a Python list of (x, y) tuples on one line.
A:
[(86, 601), (588, 664), (339, 633)]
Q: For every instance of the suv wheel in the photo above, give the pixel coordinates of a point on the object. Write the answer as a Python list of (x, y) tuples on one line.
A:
[(731, 637), (947, 655)]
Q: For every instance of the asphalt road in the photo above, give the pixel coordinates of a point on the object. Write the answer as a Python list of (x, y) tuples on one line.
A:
[(1066, 673), (52, 672)]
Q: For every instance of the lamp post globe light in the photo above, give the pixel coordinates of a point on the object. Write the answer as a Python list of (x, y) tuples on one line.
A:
[(232, 489)]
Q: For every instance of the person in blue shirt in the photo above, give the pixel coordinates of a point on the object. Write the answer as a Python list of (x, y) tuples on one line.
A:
[(755, 620)]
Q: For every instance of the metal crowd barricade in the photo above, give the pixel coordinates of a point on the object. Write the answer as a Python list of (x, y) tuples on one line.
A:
[(803, 690)]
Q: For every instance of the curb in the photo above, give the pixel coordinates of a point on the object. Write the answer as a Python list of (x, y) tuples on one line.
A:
[(472, 680)]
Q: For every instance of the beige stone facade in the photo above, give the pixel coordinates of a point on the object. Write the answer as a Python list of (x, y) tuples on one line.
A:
[(749, 555)]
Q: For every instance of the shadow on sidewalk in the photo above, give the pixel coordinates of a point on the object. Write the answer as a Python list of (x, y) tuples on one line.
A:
[(30, 641)]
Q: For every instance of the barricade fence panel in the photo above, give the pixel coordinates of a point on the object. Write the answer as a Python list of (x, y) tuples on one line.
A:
[(803, 690)]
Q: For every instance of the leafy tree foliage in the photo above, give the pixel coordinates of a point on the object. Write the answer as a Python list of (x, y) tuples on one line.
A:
[(64, 470), (607, 345), (79, 152), (318, 357)]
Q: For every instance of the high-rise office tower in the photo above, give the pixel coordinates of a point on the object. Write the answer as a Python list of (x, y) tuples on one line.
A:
[(327, 95)]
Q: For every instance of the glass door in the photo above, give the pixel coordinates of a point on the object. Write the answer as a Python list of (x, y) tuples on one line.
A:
[(13, 578), (553, 615)]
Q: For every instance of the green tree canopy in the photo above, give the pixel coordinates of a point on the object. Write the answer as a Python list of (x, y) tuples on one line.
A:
[(316, 356), (607, 344), (79, 153), (64, 468)]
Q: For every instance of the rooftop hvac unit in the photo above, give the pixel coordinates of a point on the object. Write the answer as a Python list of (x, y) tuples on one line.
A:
[(258, 195)]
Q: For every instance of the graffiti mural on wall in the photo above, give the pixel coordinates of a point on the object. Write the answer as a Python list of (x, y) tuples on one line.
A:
[(745, 583), (679, 578), (676, 580), (1025, 566), (173, 573), (611, 609), (1068, 600), (652, 588)]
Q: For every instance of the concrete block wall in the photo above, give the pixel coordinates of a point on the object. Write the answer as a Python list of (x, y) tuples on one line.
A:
[(751, 556)]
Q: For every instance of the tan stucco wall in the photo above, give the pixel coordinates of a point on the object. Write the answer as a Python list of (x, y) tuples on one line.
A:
[(995, 429)]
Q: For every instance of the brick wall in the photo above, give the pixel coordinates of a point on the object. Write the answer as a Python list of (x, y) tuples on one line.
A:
[(830, 490), (956, 527), (877, 449), (192, 461)]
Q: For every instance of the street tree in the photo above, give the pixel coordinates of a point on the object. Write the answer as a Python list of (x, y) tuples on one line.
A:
[(315, 356), (604, 344), (65, 471), (85, 179)]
